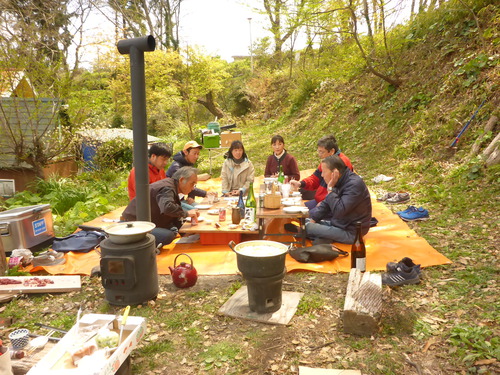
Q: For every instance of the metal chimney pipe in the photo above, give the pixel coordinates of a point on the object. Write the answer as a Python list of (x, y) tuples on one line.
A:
[(136, 47)]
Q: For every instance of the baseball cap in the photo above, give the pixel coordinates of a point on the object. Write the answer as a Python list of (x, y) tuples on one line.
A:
[(192, 144)]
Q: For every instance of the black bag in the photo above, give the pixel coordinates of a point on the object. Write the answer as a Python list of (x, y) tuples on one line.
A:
[(82, 241), (316, 253)]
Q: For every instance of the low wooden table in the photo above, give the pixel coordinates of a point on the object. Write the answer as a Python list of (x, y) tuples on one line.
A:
[(209, 233), (266, 213)]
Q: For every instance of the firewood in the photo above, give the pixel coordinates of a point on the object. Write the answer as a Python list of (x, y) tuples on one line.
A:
[(490, 125), (363, 303), (492, 154)]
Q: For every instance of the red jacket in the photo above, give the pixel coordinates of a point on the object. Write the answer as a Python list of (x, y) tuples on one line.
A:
[(288, 163), (155, 174), (316, 181)]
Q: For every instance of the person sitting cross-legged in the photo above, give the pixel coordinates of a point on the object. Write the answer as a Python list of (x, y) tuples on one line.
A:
[(166, 210), (348, 201)]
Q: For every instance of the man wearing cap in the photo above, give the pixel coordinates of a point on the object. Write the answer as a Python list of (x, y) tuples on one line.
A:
[(187, 158)]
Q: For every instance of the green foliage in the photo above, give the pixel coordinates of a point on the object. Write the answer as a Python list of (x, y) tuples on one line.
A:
[(116, 154), (417, 101), (474, 342), (309, 303), (222, 353)]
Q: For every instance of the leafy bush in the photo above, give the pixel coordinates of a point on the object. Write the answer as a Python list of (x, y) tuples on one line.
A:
[(115, 155), (474, 343)]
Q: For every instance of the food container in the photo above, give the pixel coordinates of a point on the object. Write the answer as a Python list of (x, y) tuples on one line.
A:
[(58, 361), (260, 258), (19, 338), (25, 227), (272, 201), (129, 231)]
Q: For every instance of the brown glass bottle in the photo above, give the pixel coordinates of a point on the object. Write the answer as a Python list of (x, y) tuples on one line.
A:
[(358, 251)]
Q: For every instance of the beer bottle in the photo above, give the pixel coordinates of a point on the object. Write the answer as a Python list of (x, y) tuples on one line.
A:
[(251, 204), (281, 176), (241, 204), (358, 251)]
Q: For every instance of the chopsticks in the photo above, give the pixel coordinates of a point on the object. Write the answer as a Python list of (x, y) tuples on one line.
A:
[(32, 349)]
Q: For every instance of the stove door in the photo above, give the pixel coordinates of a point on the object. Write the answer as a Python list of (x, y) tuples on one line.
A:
[(118, 273)]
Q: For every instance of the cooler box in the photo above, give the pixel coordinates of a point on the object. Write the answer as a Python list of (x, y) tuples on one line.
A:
[(226, 138), (25, 227), (211, 140)]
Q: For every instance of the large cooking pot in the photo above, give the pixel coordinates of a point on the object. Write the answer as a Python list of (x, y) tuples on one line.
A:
[(260, 258), (129, 231)]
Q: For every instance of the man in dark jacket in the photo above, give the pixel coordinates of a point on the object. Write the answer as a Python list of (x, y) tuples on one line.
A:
[(348, 201), (315, 183), (166, 210), (187, 158)]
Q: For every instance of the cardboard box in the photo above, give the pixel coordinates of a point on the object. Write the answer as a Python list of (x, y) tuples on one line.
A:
[(57, 360), (226, 138)]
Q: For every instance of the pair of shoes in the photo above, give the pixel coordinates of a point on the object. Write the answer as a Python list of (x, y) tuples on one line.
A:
[(401, 277), (289, 227), (386, 196), (413, 213), (406, 264), (398, 198)]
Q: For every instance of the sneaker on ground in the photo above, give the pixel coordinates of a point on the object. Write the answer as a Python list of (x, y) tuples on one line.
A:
[(414, 214), (399, 198), (406, 264), (386, 196), (401, 278)]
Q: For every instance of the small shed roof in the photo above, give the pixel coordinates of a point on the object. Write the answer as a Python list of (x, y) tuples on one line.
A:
[(105, 135), (14, 82)]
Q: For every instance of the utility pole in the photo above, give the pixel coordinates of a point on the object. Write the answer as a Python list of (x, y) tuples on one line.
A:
[(251, 47)]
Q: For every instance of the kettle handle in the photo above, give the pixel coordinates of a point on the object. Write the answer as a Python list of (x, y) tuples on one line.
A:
[(178, 255)]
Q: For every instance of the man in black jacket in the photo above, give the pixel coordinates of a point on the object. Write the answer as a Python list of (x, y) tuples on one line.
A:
[(187, 158), (348, 201), (166, 209)]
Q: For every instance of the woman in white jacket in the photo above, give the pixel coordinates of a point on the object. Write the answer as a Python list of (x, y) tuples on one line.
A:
[(237, 171)]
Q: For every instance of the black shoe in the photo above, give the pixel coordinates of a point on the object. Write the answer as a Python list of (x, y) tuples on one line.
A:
[(289, 227)]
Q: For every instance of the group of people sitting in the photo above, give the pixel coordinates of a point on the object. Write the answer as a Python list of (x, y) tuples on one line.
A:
[(337, 197)]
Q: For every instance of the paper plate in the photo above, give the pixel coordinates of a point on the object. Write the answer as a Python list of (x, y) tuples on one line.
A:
[(213, 212), (203, 206), (200, 219), (295, 209)]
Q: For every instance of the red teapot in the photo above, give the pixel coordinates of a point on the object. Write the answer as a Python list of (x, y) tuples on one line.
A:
[(184, 275)]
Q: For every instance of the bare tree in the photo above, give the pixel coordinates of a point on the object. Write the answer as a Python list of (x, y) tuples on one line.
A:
[(159, 18)]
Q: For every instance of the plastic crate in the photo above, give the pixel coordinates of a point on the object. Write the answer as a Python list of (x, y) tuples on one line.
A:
[(211, 141), (219, 238)]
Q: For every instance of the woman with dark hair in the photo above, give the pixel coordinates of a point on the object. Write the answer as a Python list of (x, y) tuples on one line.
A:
[(237, 171), (281, 157)]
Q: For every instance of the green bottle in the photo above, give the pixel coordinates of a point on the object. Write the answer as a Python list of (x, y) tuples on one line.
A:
[(250, 205), (281, 176)]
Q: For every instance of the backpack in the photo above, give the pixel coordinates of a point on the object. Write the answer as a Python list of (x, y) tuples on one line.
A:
[(82, 241)]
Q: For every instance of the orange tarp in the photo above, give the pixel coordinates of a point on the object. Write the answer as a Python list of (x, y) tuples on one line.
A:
[(390, 240)]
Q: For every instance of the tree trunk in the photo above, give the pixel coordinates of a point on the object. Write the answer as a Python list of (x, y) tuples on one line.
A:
[(209, 104), (490, 125), (368, 23)]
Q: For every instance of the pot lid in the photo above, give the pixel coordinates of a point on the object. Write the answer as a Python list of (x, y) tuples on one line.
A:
[(128, 228)]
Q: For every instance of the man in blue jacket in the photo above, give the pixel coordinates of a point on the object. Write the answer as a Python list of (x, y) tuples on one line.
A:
[(348, 201)]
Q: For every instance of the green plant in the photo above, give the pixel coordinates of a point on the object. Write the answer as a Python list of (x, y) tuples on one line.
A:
[(309, 303), (222, 353), (475, 343)]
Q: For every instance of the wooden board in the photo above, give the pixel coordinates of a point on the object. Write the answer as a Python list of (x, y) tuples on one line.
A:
[(237, 307), (323, 371), (61, 284)]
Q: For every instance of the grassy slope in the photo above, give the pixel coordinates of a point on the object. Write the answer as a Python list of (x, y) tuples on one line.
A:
[(406, 134)]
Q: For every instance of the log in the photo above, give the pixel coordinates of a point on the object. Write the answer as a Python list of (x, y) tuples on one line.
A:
[(363, 303), (490, 125), (491, 153)]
